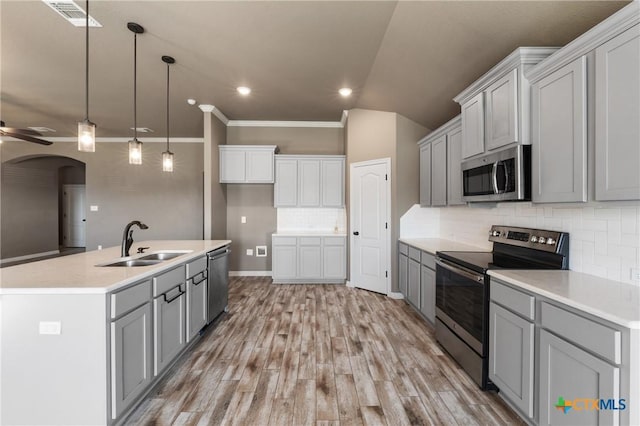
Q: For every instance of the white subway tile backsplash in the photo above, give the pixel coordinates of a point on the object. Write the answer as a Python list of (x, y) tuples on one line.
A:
[(605, 238), (306, 219)]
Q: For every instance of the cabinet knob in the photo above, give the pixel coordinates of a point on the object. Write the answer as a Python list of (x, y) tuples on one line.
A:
[(356, 233)]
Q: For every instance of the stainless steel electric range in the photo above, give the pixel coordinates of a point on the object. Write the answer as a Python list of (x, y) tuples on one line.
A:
[(462, 289)]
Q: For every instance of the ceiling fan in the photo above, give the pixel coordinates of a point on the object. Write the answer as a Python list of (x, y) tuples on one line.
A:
[(24, 134)]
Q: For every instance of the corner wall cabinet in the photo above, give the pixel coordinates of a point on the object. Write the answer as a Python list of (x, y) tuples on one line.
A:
[(247, 163), (309, 258), (309, 181), (440, 172), (495, 108)]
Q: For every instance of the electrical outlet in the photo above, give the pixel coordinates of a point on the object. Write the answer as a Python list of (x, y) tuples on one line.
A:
[(50, 327), (249, 252), (243, 219), (635, 274)]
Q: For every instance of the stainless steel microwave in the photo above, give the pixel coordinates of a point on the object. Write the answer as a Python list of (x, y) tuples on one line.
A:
[(498, 176)]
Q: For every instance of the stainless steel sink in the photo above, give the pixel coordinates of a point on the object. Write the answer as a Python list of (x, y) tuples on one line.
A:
[(132, 262), (164, 255)]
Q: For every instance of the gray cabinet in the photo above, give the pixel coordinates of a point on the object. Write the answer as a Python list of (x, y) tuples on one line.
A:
[(309, 181), (309, 259), (169, 327), (617, 108), (425, 174), (131, 357), (284, 257), (511, 357), (559, 135), (428, 292), (247, 163), (502, 111), (473, 126), (413, 283), (403, 279), (334, 258), (196, 304), (568, 372), (454, 169), (439, 171)]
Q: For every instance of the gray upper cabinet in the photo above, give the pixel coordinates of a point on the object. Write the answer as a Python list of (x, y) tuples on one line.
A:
[(439, 171), (425, 175), (496, 107), (617, 107), (247, 163), (309, 181), (454, 170), (559, 135), (502, 111), (473, 126)]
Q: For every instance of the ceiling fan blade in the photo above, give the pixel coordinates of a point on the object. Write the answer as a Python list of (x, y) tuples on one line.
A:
[(26, 138), (21, 131)]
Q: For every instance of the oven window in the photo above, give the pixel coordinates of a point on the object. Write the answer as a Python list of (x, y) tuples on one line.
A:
[(477, 181), (462, 299)]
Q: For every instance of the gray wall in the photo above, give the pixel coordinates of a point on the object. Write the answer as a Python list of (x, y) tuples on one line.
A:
[(170, 203), (256, 201)]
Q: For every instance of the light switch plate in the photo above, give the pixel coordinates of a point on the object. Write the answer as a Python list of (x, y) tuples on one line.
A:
[(249, 252), (50, 327), (93, 208), (243, 219)]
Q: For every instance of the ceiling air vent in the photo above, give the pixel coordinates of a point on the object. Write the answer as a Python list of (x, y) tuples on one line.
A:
[(70, 11)]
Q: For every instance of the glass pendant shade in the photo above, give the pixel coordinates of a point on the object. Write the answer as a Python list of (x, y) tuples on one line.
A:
[(135, 151), (167, 161), (86, 136)]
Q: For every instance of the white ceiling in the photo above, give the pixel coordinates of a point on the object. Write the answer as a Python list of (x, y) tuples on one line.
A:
[(408, 57)]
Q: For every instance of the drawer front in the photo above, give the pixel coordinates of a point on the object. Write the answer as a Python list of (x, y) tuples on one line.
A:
[(414, 253), (283, 241), (428, 260), (404, 249), (589, 334), (168, 280), (196, 266), (334, 241), (310, 241), (130, 298), (514, 300)]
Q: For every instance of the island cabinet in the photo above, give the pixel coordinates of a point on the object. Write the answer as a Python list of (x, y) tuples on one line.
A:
[(309, 181), (495, 108), (196, 273), (169, 306), (309, 258), (246, 163)]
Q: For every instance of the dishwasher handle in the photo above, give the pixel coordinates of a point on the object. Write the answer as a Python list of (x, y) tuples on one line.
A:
[(218, 254)]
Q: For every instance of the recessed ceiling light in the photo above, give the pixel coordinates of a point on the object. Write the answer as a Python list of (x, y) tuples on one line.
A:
[(244, 90), (345, 91), (191, 101), (70, 11)]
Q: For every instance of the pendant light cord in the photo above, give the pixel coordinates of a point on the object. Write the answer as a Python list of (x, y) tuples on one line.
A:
[(86, 76), (135, 85), (168, 106)]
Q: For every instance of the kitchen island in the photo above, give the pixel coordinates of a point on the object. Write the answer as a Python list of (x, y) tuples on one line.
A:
[(83, 344)]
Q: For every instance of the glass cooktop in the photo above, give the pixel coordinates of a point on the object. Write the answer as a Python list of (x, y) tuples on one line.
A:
[(481, 261)]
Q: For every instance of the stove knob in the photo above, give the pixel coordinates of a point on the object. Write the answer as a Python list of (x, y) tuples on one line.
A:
[(551, 241), (496, 233), (542, 240), (534, 239)]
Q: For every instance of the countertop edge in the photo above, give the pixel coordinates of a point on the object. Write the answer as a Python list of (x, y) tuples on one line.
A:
[(422, 244)]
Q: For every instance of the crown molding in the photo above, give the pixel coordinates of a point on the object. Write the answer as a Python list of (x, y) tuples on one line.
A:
[(257, 123), (122, 140), (215, 111), (343, 119), (617, 23), (450, 125), (520, 56)]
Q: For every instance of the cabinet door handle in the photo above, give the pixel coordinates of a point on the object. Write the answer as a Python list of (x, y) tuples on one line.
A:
[(356, 233), (174, 298), (204, 277)]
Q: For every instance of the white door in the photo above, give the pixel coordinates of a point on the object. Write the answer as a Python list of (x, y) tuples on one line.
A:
[(73, 215), (370, 234)]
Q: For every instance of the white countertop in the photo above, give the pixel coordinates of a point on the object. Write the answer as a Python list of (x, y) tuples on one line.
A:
[(432, 245), (78, 273), (610, 300), (309, 233)]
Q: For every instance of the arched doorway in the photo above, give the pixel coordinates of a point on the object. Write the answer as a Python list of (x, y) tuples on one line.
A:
[(42, 208)]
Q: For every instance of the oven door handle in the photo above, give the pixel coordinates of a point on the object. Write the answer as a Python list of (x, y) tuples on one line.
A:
[(459, 270)]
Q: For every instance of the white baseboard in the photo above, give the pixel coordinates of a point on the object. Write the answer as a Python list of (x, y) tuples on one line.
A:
[(249, 273), (395, 295), (349, 284), (29, 256)]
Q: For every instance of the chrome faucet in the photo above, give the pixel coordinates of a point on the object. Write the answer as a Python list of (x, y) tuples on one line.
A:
[(127, 236)]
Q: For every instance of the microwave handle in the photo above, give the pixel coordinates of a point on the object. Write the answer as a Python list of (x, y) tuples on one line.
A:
[(494, 178), (497, 190)]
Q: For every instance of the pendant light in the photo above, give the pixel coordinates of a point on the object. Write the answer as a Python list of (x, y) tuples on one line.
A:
[(135, 146), (167, 156), (86, 129)]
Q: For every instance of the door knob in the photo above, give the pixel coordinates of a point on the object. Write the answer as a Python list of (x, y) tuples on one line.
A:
[(356, 233)]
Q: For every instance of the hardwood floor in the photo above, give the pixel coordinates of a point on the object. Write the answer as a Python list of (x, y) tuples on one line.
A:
[(318, 354)]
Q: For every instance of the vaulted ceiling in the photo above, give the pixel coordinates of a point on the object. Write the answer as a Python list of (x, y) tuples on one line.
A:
[(407, 57)]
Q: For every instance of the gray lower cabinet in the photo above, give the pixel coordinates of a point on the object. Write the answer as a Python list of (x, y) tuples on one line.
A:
[(569, 372), (196, 304), (131, 356), (308, 259), (413, 283), (559, 135), (428, 293), (403, 279), (511, 357), (334, 260), (284, 259), (617, 108), (169, 327)]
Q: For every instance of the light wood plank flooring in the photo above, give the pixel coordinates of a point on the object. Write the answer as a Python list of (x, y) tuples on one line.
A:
[(318, 354)]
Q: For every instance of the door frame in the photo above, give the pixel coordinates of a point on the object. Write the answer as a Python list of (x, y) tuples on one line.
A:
[(387, 163), (65, 225)]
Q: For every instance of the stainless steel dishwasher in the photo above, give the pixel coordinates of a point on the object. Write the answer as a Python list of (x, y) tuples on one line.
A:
[(218, 271)]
